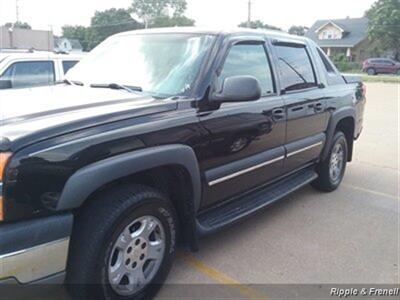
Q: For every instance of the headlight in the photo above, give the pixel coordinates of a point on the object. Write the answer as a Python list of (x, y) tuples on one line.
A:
[(3, 161)]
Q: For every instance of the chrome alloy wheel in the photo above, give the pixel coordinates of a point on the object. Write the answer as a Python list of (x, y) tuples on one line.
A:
[(136, 255), (336, 162)]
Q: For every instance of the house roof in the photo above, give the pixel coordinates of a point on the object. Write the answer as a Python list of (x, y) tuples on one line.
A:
[(329, 23), (75, 43), (354, 32)]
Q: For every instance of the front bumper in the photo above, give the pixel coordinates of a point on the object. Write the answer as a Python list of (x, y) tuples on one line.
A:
[(34, 250)]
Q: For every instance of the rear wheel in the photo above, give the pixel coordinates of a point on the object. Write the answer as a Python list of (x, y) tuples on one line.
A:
[(331, 170), (123, 245)]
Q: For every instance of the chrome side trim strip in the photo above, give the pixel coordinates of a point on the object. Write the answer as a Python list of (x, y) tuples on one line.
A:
[(1, 188), (304, 149), (236, 174), (35, 263)]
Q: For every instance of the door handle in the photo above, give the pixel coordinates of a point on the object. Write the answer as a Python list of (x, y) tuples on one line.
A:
[(318, 107), (297, 108), (278, 113)]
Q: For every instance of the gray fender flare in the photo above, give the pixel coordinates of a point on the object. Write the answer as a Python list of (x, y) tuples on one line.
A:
[(90, 178), (335, 118)]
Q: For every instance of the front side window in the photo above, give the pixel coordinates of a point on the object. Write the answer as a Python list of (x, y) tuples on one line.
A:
[(295, 68), (30, 73), (160, 64), (252, 60)]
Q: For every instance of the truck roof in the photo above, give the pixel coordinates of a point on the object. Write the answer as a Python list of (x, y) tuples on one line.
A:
[(38, 55), (216, 31)]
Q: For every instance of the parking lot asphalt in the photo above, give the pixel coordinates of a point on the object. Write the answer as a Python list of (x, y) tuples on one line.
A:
[(350, 236)]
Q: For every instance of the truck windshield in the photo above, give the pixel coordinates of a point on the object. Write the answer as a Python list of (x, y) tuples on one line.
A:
[(160, 64)]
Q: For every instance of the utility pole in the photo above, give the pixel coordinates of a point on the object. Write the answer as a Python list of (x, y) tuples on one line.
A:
[(17, 9), (249, 14)]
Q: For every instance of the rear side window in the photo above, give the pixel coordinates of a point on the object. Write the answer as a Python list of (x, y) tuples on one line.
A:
[(249, 59), (387, 62), (30, 73), (295, 68), (328, 65), (68, 64)]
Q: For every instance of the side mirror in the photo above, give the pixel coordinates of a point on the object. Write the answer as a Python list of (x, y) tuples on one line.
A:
[(238, 89), (5, 84)]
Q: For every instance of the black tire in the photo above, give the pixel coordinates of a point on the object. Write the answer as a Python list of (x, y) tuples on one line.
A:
[(325, 181), (371, 71), (97, 228)]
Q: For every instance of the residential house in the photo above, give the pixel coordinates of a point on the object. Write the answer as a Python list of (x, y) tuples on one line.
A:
[(342, 36), (65, 45)]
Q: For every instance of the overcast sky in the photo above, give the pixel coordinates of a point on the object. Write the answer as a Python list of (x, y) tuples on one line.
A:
[(45, 14)]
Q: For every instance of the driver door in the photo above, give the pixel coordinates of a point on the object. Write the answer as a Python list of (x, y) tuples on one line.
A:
[(245, 146)]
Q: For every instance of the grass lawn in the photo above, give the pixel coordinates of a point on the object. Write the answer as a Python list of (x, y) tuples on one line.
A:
[(381, 78), (376, 78)]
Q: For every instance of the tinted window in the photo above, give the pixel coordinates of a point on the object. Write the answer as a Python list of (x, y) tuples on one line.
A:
[(382, 61), (68, 64), (328, 66), (386, 62), (30, 73), (249, 60), (295, 68)]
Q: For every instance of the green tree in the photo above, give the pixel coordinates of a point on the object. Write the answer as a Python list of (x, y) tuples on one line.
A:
[(77, 32), (384, 25), (19, 24), (257, 24), (109, 22), (166, 21), (161, 13), (298, 30)]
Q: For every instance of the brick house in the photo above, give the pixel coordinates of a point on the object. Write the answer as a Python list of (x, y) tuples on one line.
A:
[(346, 36)]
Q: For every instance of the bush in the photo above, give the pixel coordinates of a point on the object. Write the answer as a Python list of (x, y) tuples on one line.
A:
[(343, 65)]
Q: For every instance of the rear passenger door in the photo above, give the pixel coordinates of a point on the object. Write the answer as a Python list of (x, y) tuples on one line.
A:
[(305, 104)]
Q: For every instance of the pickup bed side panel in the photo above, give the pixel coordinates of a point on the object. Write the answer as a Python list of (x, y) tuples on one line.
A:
[(338, 115)]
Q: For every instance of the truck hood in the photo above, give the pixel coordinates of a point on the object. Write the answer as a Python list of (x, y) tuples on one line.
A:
[(44, 112)]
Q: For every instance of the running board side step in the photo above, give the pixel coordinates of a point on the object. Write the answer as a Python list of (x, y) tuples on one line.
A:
[(233, 211)]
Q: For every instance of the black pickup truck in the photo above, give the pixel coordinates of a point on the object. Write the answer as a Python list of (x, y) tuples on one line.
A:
[(160, 137)]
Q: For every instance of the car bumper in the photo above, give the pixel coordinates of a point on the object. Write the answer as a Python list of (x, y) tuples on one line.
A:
[(35, 250)]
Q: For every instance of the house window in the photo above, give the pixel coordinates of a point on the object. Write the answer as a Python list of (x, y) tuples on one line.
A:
[(330, 34)]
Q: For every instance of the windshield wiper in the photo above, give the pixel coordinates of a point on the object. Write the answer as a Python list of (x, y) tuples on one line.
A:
[(116, 86), (70, 82)]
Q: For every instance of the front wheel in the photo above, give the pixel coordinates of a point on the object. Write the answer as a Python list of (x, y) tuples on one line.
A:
[(371, 71), (331, 170), (123, 245)]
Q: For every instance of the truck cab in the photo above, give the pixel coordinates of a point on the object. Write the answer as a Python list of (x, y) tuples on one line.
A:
[(186, 132)]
